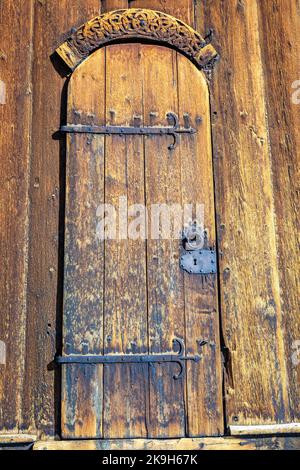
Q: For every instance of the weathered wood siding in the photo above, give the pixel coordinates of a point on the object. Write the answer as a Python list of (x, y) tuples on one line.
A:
[(256, 160)]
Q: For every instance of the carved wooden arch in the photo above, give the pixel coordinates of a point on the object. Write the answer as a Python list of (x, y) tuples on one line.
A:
[(136, 24)]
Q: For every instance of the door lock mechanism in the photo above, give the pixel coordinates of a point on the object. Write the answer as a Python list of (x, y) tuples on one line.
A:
[(196, 255), (202, 261)]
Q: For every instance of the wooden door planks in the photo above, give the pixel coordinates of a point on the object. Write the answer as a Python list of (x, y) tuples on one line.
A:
[(280, 57), (142, 308), (164, 278), (205, 415), (125, 331), (84, 253)]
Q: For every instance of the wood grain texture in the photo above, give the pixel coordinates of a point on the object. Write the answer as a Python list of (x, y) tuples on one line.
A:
[(40, 396), (125, 330), (279, 33), (16, 439), (256, 381), (260, 58), (270, 429), (16, 21), (183, 10), (205, 405), (109, 5), (205, 443), (84, 254), (164, 278), (137, 285)]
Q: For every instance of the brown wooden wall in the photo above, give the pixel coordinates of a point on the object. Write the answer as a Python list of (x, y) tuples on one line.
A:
[(256, 159)]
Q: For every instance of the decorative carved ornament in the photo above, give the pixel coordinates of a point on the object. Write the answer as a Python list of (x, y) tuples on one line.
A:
[(136, 23)]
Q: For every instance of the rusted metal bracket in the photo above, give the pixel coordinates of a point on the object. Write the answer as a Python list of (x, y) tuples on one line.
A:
[(174, 130), (150, 359)]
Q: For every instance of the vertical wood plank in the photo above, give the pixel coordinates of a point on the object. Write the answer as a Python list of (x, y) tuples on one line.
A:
[(16, 21), (256, 380), (109, 5), (183, 10), (53, 20), (165, 280), (84, 253), (204, 379), (279, 32), (125, 385), (199, 20)]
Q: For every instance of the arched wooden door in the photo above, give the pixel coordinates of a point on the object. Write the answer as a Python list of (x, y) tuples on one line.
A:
[(123, 297)]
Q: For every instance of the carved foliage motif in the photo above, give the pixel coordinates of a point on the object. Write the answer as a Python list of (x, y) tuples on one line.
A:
[(136, 23)]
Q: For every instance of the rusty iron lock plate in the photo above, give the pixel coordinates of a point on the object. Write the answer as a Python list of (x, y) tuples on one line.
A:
[(202, 261)]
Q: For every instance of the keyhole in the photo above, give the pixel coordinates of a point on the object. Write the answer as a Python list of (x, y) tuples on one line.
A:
[(195, 262)]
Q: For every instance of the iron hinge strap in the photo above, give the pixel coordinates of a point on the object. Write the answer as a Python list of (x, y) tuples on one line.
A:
[(178, 358), (131, 130)]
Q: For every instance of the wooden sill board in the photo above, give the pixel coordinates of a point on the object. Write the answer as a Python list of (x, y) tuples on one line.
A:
[(17, 438), (205, 443), (274, 429)]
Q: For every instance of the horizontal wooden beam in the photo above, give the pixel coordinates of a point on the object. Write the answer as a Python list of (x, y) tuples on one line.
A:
[(270, 429), (17, 438), (205, 443)]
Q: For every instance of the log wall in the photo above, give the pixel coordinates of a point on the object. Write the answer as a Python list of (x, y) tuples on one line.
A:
[(256, 121)]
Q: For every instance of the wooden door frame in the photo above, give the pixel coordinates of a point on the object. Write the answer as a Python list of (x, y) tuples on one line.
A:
[(143, 26), (134, 24)]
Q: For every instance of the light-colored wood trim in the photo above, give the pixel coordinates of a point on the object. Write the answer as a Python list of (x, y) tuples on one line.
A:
[(17, 438), (205, 443), (271, 429)]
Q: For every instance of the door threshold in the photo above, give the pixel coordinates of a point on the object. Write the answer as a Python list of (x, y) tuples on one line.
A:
[(201, 443)]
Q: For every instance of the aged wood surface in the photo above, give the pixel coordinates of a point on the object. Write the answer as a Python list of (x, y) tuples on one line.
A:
[(201, 295), (52, 19), (281, 19), (165, 280), (16, 438), (147, 299), (183, 9), (16, 19), (239, 81), (252, 317), (84, 253), (109, 5), (208, 443), (274, 429), (133, 24), (125, 317)]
